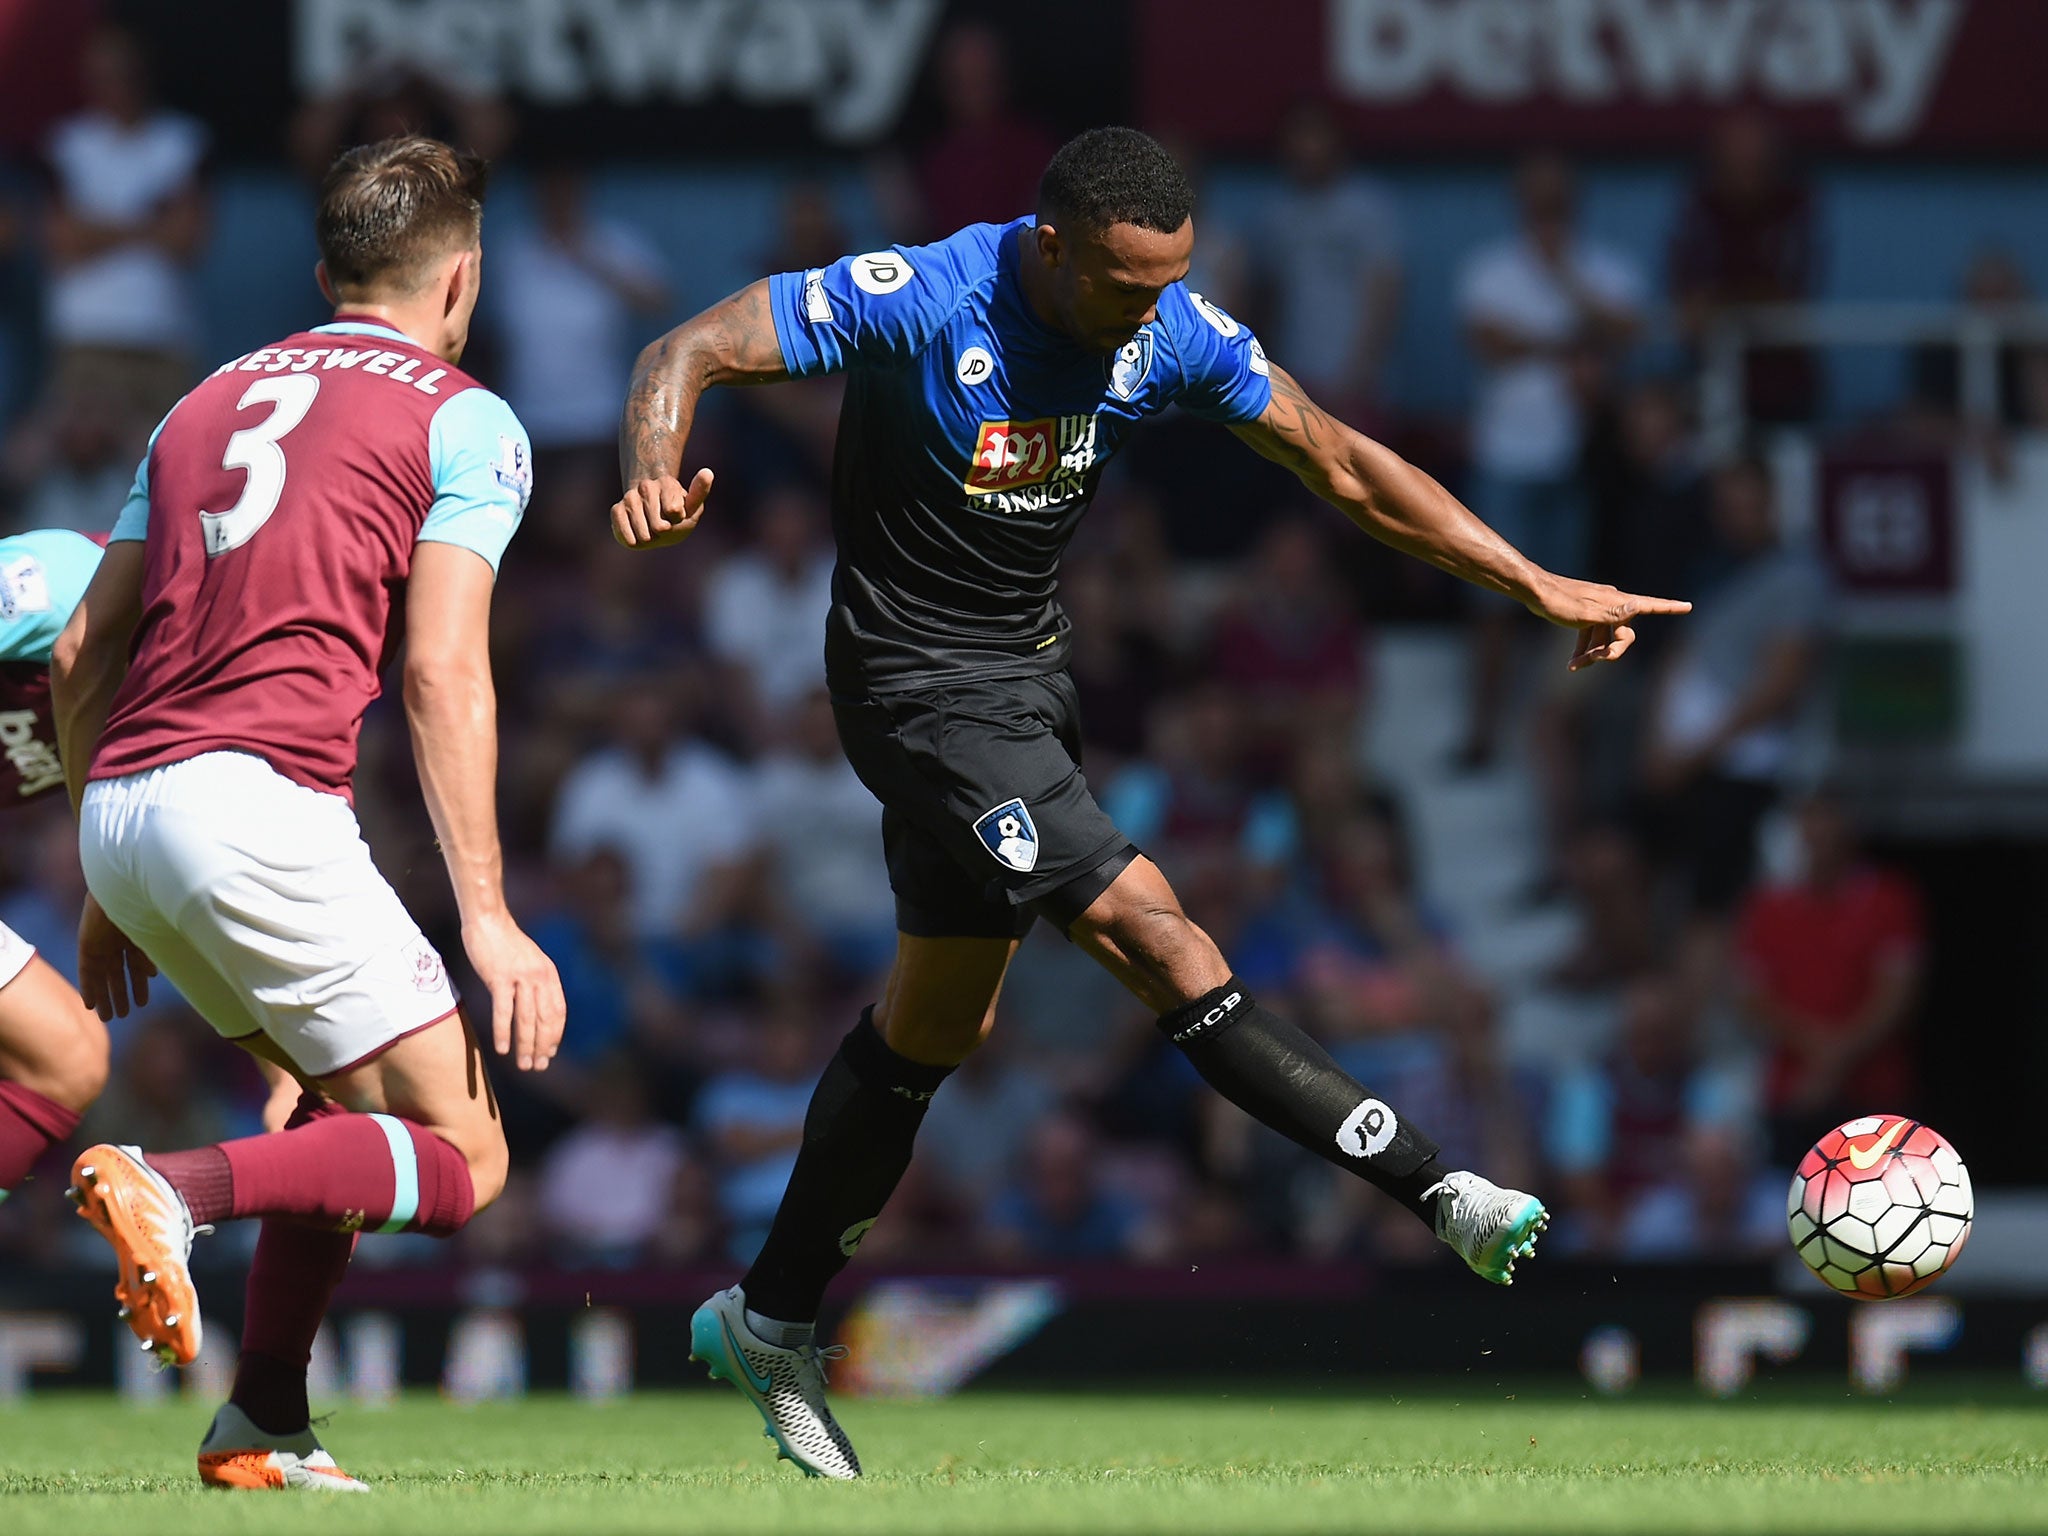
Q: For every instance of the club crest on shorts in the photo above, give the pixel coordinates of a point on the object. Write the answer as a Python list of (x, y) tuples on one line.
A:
[(428, 973), (1132, 362), (1007, 833)]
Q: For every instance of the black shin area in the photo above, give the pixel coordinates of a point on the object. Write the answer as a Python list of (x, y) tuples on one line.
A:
[(1275, 1073), (858, 1132)]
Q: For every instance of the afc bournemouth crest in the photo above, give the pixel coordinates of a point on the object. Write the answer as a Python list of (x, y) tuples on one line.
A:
[(1007, 833), (1132, 362)]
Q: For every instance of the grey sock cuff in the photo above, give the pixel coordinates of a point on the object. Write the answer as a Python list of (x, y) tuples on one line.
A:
[(784, 1335)]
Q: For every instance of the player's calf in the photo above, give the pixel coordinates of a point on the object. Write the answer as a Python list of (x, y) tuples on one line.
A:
[(1280, 1076), (370, 1170), (53, 1062), (346, 1172), (1275, 1072), (343, 1172), (858, 1133), (1137, 930), (50, 1042)]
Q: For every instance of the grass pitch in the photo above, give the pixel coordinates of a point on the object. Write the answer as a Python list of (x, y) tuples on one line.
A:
[(990, 1464)]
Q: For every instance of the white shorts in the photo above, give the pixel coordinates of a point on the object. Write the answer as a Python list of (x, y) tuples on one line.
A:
[(257, 899), (15, 954)]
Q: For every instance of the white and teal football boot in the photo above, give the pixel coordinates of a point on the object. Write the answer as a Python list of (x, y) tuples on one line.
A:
[(787, 1384), (1488, 1227)]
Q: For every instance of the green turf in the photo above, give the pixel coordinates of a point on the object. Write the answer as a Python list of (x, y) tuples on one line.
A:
[(989, 1464)]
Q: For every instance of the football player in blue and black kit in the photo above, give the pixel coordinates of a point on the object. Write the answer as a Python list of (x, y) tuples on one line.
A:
[(990, 377)]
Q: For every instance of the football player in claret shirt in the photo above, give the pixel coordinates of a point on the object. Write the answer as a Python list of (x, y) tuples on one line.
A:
[(990, 377), (53, 1049), (296, 513)]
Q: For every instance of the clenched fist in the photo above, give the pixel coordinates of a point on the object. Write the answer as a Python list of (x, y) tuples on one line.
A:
[(653, 513)]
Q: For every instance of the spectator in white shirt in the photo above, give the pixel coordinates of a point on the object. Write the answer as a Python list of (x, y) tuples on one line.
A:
[(1331, 255), (567, 288), (822, 832), (678, 810), (765, 607), (126, 221), (571, 294), (1545, 310)]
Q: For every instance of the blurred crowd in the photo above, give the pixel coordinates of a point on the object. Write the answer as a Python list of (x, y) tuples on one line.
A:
[(685, 839)]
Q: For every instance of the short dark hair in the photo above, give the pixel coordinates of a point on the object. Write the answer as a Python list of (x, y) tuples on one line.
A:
[(388, 208), (1114, 176)]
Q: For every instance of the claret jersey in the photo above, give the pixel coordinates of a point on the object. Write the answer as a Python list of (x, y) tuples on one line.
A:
[(970, 443), (280, 503), (42, 576)]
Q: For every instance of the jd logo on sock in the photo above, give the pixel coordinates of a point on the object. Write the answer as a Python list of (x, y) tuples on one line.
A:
[(1368, 1129), (849, 1240)]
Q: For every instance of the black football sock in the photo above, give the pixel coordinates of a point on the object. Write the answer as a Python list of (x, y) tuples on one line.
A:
[(1276, 1074), (858, 1132)]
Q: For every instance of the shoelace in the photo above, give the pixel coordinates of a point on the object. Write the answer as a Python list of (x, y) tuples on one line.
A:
[(1496, 1224), (815, 1357)]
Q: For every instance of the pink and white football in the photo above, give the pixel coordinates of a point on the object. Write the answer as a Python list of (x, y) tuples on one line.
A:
[(1880, 1207)]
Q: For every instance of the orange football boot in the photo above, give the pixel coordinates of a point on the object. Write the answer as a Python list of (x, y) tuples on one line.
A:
[(135, 1209), (236, 1454)]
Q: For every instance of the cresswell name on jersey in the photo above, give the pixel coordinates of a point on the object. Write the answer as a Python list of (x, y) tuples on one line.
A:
[(395, 366)]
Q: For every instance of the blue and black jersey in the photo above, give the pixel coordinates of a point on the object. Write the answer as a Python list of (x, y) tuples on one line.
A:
[(970, 443)]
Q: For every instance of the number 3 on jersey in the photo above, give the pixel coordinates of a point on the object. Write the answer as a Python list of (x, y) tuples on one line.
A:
[(256, 450)]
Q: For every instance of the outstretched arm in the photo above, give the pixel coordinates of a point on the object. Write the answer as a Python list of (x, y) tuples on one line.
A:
[(1400, 505), (733, 342)]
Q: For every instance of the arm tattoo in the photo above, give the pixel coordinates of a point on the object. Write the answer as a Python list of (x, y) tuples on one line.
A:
[(1389, 498), (733, 342), (1295, 432)]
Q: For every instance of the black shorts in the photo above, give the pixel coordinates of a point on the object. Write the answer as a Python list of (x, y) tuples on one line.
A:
[(987, 822)]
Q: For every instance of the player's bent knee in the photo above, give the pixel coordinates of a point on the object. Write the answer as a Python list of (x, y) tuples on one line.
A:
[(75, 1066), (83, 1075), (74, 1072), (1138, 930), (489, 1164), (1138, 896), (940, 1000), (50, 1042), (1146, 926)]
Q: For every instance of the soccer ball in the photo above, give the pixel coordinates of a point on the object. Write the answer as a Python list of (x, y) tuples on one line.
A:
[(1880, 1207)]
